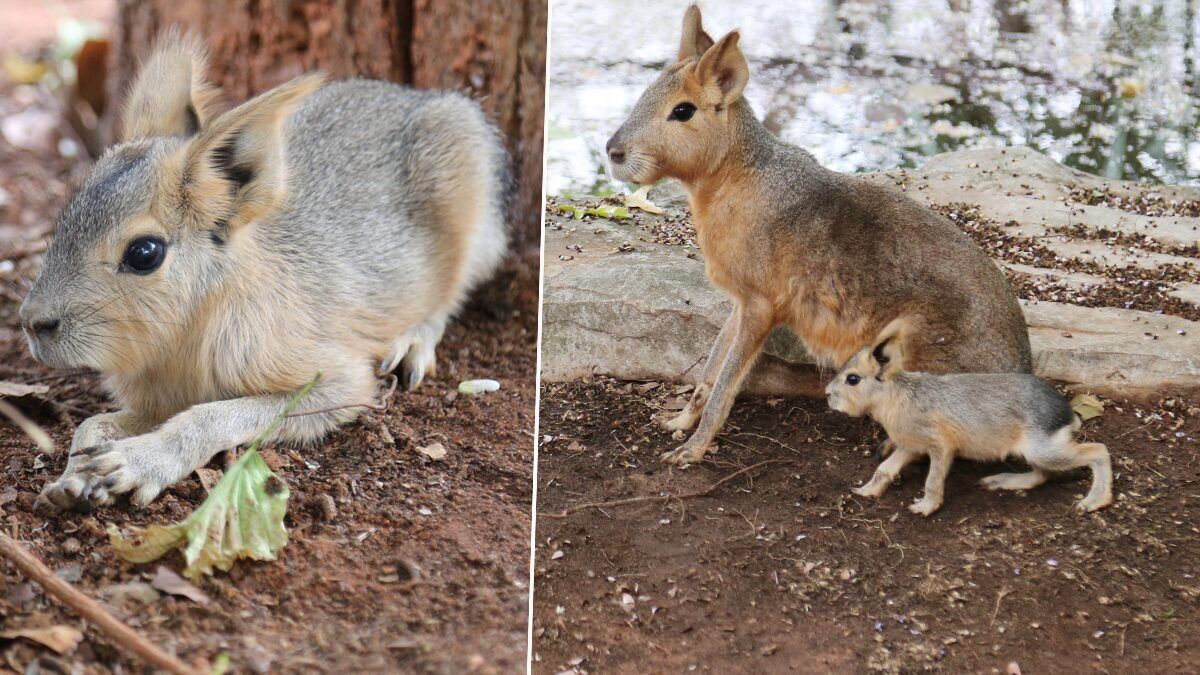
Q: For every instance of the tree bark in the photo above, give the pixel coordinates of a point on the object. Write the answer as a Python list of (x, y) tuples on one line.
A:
[(492, 50)]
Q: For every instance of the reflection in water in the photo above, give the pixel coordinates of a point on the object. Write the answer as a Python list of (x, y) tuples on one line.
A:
[(1105, 86)]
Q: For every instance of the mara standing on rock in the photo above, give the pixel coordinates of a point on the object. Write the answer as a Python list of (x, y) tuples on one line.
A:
[(832, 256)]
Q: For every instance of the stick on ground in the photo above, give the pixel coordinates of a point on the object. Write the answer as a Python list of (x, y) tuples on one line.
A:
[(661, 498), (121, 634)]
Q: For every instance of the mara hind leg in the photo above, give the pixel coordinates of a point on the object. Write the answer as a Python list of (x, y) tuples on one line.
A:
[(1064, 454), (1015, 481), (414, 352)]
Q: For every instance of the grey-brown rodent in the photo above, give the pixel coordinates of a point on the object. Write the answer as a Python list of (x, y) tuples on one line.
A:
[(834, 257), (980, 416), (212, 264)]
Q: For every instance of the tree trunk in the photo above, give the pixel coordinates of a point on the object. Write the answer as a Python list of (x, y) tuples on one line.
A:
[(493, 50)]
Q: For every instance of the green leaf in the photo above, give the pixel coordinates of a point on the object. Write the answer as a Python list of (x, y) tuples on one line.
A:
[(610, 212), (220, 664), (241, 518), (1087, 406), (572, 211)]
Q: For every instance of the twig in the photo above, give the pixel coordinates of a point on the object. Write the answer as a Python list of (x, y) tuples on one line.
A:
[(1004, 590), (661, 498), (31, 429), (381, 405), (90, 610)]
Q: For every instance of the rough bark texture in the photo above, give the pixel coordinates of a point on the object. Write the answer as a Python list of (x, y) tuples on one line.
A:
[(493, 50)]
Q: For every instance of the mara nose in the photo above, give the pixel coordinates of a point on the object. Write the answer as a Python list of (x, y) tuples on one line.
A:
[(616, 153), (42, 328)]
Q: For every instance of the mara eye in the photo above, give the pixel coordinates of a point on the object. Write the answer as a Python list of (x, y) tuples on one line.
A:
[(853, 379), (682, 112), (144, 255)]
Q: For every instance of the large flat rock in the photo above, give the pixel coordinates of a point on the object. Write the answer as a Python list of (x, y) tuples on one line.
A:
[(616, 303)]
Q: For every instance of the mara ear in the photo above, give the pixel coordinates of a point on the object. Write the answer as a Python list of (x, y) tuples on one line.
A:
[(723, 69), (170, 96), (694, 41), (889, 350), (234, 170)]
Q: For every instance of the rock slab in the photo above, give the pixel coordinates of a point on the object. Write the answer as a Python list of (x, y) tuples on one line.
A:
[(615, 303)]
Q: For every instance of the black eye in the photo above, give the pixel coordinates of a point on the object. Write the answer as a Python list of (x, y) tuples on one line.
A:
[(144, 255), (853, 379), (682, 112)]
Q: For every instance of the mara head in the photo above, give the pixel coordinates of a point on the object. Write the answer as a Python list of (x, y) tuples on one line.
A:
[(863, 382), (682, 126), (158, 223)]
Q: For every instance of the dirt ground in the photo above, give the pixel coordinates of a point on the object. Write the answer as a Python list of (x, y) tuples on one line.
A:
[(781, 569), (419, 565)]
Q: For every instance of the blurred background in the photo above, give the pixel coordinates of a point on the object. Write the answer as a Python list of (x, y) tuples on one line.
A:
[(66, 64), (1105, 86)]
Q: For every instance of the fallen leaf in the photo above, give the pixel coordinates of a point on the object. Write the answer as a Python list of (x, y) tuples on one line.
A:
[(641, 200), (241, 518), (1087, 406), (62, 639), (675, 403), (210, 477), (167, 581), (435, 451), (610, 212), (571, 211)]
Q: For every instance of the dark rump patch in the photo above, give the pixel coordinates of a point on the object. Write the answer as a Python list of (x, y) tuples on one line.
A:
[(1050, 411)]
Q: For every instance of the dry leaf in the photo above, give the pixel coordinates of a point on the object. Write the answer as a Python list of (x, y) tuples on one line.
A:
[(1087, 406), (675, 403), (62, 639), (641, 200), (167, 581), (436, 451)]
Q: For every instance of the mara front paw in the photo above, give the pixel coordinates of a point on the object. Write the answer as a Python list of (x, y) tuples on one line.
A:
[(873, 488), (143, 465)]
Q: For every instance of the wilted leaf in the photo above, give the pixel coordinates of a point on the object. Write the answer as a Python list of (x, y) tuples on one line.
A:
[(62, 639), (167, 581), (1087, 406), (641, 200), (241, 518), (610, 212)]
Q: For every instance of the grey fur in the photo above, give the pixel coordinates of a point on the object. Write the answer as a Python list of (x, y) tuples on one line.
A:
[(380, 210)]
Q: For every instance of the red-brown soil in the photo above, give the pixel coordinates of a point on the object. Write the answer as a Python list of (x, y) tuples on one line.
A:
[(421, 566), (782, 570)]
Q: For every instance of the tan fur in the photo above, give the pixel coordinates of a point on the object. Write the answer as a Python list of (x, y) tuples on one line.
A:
[(170, 94), (833, 257)]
